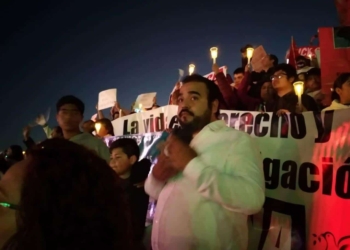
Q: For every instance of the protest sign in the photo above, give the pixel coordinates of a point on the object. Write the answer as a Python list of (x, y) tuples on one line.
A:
[(107, 99), (306, 165)]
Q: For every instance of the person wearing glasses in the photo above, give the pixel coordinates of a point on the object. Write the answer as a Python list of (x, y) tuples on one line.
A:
[(63, 196), (285, 100)]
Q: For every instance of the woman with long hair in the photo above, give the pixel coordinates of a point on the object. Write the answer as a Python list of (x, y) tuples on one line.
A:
[(64, 197)]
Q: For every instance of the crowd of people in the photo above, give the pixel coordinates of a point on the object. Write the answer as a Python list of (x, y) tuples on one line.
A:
[(71, 191)]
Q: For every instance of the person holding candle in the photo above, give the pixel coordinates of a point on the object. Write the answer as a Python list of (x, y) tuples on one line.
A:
[(243, 51), (232, 92), (285, 100), (341, 92), (238, 98), (105, 128)]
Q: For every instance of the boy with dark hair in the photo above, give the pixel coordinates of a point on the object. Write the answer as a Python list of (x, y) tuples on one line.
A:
[(285, 99), (70, 111), (125, 162)]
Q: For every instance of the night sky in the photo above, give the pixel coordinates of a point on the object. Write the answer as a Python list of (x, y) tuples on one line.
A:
[(54, 48)]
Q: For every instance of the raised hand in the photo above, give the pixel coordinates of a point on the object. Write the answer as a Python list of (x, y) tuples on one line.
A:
[(41, 120), (26, 132)]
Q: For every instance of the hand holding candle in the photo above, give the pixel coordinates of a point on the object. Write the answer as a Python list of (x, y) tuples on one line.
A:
[(214, 53), (250, 52), (299, 90), (191, 69)]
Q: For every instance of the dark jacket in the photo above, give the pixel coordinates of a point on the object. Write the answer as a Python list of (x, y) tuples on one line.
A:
[(257, 80), (289, 102), (137, 198), (29, 142), (237, 99)]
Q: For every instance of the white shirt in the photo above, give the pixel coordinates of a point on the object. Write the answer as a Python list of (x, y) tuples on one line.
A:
[(206, 206), (92, 143)]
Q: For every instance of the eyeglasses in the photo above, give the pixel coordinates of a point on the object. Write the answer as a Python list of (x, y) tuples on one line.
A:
[(277, 76), (9, 205)]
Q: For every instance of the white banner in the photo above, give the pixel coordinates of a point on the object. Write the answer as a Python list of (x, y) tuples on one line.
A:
[(307, 174)]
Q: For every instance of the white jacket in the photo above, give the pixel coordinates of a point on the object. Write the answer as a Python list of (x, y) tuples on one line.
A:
[(206, 206), (336, 105)]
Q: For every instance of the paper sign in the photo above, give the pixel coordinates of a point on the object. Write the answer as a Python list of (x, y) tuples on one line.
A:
[(181, 74), (47, 117), (211, 76), (146, 100), (107, 99), (257, 59), (42, 118)]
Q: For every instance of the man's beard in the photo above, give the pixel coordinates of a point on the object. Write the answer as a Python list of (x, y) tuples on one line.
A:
[(196, 125)]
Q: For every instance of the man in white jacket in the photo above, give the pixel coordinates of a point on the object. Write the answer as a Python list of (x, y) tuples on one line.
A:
[(205, 190)]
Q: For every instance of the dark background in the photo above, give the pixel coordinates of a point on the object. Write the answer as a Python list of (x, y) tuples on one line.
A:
[(53, 48)]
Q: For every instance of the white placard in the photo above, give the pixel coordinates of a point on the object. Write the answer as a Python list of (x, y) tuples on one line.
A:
[(146, 100), (107, 99)]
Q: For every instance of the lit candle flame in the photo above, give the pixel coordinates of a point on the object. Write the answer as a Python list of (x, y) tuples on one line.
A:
[(299, 90), (97, 127), (214, 53), (191, 68), (250, 52)]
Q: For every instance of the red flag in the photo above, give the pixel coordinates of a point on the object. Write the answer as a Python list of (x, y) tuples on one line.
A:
[(293, 53), (343, 8)]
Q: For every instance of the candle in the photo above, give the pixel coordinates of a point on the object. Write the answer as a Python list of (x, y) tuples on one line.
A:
[(299, 89), (140, 107), (97, 127), (191, 68), (214, 53), (250, 52)]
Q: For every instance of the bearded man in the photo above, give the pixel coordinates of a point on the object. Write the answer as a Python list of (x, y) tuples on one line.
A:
[(205, 189)]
